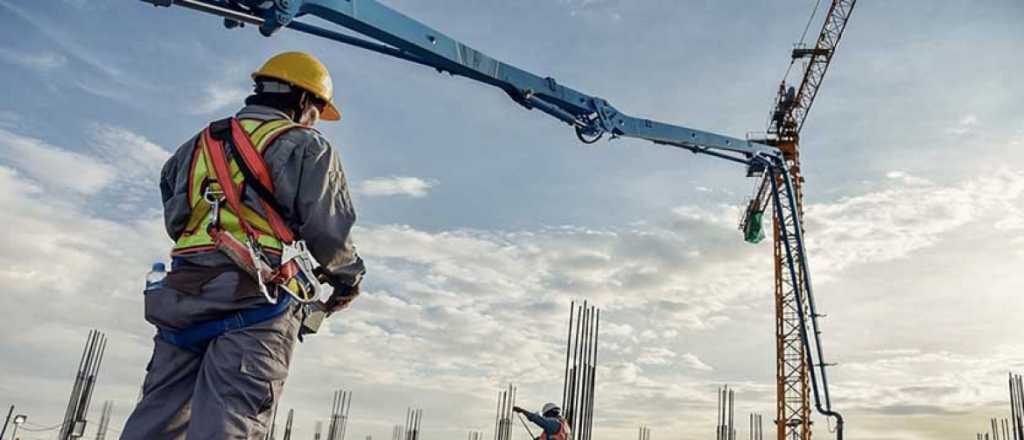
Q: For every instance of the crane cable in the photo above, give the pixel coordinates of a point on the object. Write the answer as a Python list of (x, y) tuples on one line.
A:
[(814, 12), (803, 36), (527, 428)]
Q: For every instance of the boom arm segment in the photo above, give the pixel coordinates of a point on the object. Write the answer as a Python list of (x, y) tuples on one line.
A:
[(397, 35)]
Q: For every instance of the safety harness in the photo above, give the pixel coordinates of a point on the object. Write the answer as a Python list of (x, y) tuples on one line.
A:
[(294, 274), (562, 434)]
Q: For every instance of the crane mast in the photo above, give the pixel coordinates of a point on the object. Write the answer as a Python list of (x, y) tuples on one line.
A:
[(792, 104)]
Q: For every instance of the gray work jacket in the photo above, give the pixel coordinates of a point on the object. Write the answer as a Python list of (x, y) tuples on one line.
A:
[(309, 185)]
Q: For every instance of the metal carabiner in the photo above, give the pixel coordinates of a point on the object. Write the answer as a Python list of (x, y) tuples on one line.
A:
[(261, 270), (313, 291), (214, 198)]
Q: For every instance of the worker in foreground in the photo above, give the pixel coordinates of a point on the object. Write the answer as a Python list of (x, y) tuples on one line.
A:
[(250, 202), (550, 419)]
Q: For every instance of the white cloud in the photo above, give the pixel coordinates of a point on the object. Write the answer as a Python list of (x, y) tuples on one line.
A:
[(113, 155), (454, 314), (395, 185), (70, 271), (59, 241), (39, 61), (965, 125), (217, 97), (898, 220), (68, 43), (907, 179), (692, 361), (932, 382), (1018, 138), (577, 7), (134, 156), (96, 72), (65, 170), (656, 356)]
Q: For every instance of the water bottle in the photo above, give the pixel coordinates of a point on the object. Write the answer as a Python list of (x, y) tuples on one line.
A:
[(156, 275)]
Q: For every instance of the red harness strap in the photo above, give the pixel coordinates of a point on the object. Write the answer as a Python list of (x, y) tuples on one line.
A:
[(254, 160), (232, 193), (222, 171)]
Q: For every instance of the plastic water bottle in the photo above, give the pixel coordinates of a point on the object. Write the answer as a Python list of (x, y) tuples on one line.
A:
[(156, 275)]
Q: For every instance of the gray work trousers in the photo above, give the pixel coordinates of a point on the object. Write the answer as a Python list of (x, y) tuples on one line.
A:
[(229, 391)]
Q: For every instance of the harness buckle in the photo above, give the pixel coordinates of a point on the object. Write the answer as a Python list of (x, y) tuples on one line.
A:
[(309, 290)]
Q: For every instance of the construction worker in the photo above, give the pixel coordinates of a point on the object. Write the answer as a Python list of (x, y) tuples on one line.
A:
[(550, 419), (228, 313)]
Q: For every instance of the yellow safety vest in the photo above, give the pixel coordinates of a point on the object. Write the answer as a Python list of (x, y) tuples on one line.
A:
[(195, 238)]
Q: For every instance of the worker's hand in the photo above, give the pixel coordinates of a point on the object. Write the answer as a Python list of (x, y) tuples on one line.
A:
[(518, 409), (341, 298), (321, 275)]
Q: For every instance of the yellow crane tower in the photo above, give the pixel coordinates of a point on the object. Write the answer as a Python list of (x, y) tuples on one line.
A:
[(792, 103)]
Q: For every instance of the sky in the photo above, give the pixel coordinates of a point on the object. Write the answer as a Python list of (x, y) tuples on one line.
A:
[(481, 221)]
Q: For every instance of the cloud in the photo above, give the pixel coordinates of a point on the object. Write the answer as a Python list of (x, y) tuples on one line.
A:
[(393, 186), (453, 314), (966, 125), (90, 270), (55, 207), (907, 179), (113, 155), (96, 73), (41, 61), (908, 215), (59, 168), (934, 383), (134, 156), (220, 96), (656, 356), (692, 361), (608, 7)]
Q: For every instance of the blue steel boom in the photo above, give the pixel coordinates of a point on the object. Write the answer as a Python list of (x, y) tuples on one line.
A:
[(399, 36), (408, 39)]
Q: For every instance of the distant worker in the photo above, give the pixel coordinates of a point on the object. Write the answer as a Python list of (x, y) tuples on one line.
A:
[(243, 201), (550, 419), (786, 103)]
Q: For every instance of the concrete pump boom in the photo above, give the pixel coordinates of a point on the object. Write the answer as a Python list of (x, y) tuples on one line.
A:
[(397, 35)]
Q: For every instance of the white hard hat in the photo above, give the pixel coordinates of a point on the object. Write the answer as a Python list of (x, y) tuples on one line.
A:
[(548, 407)]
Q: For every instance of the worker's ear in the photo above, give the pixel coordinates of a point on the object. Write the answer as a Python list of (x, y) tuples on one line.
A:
[(310, 112)]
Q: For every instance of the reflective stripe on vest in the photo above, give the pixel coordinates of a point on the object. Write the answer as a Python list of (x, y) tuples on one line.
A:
[(562, 434), (195, 238)]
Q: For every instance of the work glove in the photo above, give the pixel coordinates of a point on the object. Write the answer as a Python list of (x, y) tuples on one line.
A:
[(341, 298), (343, 295), (518, 409)]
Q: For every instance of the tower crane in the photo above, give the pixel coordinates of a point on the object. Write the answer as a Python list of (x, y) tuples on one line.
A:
[(370, 25), (792, 103)]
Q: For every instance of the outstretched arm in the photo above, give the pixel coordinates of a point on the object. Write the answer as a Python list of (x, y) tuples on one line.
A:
[(550, 425)]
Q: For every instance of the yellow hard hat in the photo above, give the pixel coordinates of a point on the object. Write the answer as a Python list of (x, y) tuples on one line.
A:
[(303, 71)]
